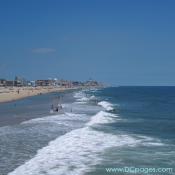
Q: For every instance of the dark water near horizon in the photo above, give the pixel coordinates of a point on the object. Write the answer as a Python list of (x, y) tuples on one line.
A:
[(111, 127)]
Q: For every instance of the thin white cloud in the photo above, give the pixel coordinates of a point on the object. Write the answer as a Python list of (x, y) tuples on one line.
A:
[(43, 50)]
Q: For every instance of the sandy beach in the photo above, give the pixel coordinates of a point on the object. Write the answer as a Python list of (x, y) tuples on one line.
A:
[(14, 93)]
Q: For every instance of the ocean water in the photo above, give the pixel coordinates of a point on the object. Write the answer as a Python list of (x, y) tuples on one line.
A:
[(100, 128)]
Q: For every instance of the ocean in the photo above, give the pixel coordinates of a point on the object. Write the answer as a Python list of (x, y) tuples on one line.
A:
[(102, 131)]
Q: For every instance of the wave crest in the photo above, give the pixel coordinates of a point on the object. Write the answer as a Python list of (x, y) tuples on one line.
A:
[(108, 106)]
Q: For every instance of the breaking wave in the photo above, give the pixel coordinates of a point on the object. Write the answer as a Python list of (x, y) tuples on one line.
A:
[(73, 153), (76, 152), (106, 105), (102, 117)]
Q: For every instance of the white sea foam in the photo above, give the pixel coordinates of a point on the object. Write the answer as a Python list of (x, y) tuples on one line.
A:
[(79, 94), (80, 102), (102, 117), (59, 119), (108, 106), (94, 90), (81, 97), (73, 153), (77, 151), (154, 144), (92, 97), (150, 141)]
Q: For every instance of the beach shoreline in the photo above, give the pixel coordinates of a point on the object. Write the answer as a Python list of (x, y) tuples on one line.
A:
[(8, 94)]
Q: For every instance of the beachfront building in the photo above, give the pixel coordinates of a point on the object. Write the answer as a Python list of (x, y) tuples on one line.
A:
[(9, 83), (55, 82), (91, 83), (2, 82), (65, 83), (19, 81), (77, 83), (44, 83), (6, 83), (31, 83)]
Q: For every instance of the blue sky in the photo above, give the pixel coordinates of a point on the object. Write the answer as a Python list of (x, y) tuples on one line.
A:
[(121, 42)]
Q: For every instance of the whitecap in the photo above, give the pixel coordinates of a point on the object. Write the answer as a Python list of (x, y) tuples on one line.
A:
[(102, 117), (108, 106)]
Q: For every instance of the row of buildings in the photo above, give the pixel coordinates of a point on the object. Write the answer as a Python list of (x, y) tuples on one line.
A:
[(16, 82), (20, 82)]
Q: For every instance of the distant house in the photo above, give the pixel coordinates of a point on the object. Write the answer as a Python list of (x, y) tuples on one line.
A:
[(20, 82), (9, 83), (65, 83), (2, 82), (91, 83), (44, 82), (77, 83), (31, 83)]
